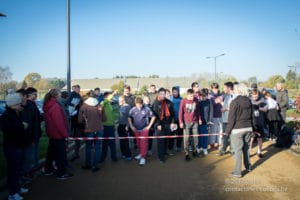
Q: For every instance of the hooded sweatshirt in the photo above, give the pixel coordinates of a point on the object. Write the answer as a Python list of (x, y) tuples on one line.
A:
[(91, 116), (55, 120), (240, 114)]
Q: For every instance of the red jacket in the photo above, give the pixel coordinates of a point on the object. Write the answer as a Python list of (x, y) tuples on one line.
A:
[(55, 120)]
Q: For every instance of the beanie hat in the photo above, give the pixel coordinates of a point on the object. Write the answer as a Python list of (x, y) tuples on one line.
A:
[(13, 99)]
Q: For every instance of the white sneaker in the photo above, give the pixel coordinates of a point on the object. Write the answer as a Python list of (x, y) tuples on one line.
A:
[(205, 151), (23, 190), (15, 197), (138, 157), (142, 161), (199, 150)]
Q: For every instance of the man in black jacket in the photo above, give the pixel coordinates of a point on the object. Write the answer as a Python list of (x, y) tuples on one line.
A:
[(14, 143), (164, 112)]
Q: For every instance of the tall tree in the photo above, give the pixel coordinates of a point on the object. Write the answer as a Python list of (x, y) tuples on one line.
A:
[(5, 74), (272, 80), (32, 78)]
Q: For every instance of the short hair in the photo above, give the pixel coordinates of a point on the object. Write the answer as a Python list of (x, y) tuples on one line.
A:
[(152, 85), (214, 85), (204, 92), (127, 87), (161, 90), (64, 94), (229, 84), (190, 91), (97, 89), (194, 84), (31, 90), (106, 94), (91, 93), (138, 100), (241, 89), (22, 91)]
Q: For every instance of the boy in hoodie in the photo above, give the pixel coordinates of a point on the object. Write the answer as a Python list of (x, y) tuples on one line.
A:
[(176, 100), (92, 116), (112, 116)]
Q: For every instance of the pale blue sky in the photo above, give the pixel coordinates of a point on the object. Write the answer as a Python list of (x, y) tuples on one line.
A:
[(142, 37)]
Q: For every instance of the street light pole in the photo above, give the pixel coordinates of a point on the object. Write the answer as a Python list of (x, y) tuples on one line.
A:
[(215, 59), (68, 49)]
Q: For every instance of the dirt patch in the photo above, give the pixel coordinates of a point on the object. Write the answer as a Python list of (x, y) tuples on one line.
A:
[(276, 176)]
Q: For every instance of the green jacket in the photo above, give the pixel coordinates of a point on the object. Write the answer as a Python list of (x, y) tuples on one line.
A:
[(111, 112)]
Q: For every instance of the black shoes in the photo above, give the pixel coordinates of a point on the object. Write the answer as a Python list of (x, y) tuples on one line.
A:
[(65, 176), (187, 158)]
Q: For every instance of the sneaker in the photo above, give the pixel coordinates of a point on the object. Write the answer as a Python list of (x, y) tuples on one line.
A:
[(142, 162), (86, 167), (178, 149), (23, 190), (95, 169), (260, 155), (187, 158), (205, 151), (170, 153), (236, 175), (15, 197), (199, 150), (65, 176), (195, 154), (162, 161), (128, 158), (138, 157), (149, 153), (48, 173), (221, 153), (74, 158)]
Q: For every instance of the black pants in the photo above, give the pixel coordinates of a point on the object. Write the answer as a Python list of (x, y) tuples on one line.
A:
[(14, 158), (274, 129), (124, 143), (171, 141), (56, 152), (161, 142)]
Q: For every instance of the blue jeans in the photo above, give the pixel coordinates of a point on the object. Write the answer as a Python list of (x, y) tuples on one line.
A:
[(14, 158), (88, 147), (203, 140), (31, 156), (109, 131)]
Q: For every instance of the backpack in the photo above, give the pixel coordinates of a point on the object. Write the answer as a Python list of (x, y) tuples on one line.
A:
[(285, 138)]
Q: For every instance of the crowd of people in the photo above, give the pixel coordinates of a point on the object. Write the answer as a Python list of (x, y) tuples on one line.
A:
[(206, 119)]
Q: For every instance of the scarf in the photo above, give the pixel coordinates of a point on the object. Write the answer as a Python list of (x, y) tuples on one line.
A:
[(164, 109)]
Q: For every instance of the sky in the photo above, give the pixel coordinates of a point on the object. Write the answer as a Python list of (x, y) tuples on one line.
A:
[(142, 37)]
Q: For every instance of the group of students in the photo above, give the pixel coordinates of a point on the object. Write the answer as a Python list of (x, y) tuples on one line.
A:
[(21, 127), (95, 115)]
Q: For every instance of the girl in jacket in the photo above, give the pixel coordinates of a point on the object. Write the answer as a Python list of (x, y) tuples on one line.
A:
[(57, 131), (92, 116)]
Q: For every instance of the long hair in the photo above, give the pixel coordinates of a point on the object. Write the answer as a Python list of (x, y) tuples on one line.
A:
[(52, 93)]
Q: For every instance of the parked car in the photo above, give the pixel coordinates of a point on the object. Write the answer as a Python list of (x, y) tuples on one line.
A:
[(2, 107), (292, 104)]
